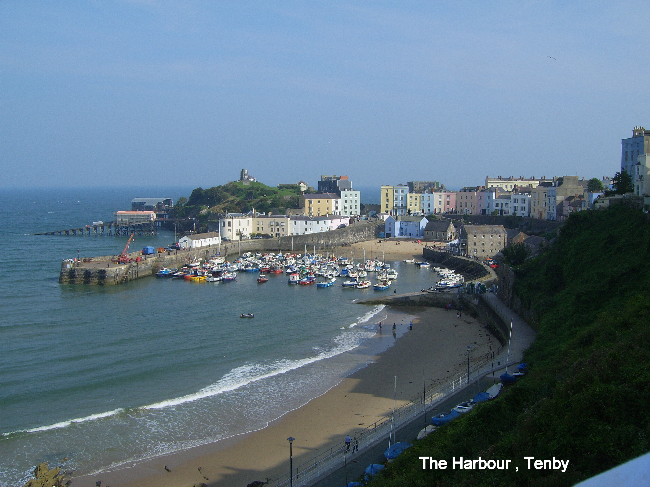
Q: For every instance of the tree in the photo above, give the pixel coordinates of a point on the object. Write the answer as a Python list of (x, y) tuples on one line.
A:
[(622, 183), (595, 185), (515, 254)]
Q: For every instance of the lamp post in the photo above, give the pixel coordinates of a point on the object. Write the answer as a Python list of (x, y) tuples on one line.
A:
[(468, 350), (291, 439)]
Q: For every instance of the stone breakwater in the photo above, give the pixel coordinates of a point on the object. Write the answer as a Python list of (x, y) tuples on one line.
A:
[(104, 272)]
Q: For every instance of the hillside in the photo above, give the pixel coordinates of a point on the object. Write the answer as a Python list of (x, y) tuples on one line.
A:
[(585, 397), (235, 197)]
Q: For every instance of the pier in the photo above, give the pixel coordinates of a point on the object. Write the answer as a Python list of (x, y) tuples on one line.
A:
[(109, 229)]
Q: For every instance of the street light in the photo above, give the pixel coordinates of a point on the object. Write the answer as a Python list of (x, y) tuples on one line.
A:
[(291, 439), (468, 350)]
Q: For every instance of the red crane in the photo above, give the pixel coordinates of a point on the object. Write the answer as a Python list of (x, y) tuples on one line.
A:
[(124, 256)]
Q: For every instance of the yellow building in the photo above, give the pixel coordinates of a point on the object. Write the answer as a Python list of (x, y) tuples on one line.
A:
[(539, 202), (387, 198), (413, 203), (321, 204), (274, 225)]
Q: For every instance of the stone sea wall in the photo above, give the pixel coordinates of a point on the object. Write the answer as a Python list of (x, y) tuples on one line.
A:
[(104, 272)]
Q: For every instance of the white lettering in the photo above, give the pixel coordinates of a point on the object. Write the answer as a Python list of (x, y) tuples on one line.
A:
[(458, 462), (433, 463), (554, 464)]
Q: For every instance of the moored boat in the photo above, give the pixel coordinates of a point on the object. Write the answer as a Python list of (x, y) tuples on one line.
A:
[(328, 283), (229, 276), (164, 272), (382, 286)]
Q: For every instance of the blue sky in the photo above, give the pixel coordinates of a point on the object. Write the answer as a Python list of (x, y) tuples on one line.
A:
[(155, 93)]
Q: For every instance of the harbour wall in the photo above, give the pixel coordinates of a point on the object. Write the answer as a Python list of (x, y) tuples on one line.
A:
[(323, 241), (471, 269), (104, 272)]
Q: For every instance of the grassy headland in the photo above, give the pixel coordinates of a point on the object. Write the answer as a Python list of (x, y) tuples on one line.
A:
[(206, 205), (585, 397)]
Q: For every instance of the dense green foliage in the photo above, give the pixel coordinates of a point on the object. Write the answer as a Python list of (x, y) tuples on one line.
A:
[(622, 183), (515, 254), (585, 397), (235, 197), (595, 185)]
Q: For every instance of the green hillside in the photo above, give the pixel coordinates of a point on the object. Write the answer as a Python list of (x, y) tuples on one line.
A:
[(585, 397), (205, 205)]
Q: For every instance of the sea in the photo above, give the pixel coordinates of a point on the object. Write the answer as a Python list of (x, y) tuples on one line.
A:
[(93, 378)]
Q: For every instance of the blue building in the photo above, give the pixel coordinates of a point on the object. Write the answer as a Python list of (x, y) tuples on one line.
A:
[(405, 226)]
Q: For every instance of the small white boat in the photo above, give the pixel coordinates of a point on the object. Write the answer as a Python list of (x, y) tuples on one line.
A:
[(426, 431), (363, 284), (464, 407)]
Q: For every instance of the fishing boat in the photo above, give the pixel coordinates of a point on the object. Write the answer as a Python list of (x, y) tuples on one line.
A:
[(328, 283), (247, 315), (294, 278), (229, 276), (363, 284), (164, 272), (306, 281), (351, 283), (262, 279)]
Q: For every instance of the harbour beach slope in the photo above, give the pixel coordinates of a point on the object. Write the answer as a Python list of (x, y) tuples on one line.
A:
[(435, 349)]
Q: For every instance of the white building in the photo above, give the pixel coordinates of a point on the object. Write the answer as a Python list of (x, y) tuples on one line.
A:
[(199, 240), (134, 217), (303, 224), (350, 203), (520, 204), (236, 226)]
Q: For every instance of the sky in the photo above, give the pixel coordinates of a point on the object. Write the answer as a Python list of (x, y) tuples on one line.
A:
[(175, 92)]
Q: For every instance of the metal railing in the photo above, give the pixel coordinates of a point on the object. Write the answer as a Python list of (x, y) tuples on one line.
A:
[(316, 468)]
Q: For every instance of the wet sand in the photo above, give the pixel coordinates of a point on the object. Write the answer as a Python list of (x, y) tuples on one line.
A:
[(434, 350)]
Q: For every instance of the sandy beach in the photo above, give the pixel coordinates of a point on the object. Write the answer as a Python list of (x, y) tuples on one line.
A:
[(382, 249), (434, 350)]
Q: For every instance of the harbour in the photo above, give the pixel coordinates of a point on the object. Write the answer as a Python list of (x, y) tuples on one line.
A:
[(103, 375)]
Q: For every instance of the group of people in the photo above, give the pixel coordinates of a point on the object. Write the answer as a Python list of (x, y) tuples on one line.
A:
[(354, 443)]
